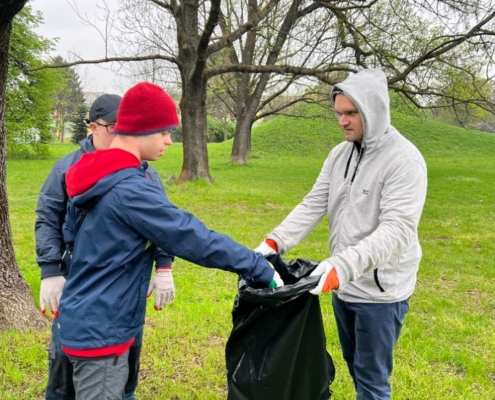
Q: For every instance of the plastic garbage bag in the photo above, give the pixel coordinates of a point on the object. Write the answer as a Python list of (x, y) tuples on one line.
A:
[(277, 346)]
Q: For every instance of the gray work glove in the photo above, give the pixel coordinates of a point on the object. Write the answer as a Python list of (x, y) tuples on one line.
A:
[(163, 285), (50, 292)]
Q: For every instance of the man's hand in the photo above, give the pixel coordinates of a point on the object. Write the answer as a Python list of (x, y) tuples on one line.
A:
[(328, 280), (163, 285), (50, 292), (266, 248)]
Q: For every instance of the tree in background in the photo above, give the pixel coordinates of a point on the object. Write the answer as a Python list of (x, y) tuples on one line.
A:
[(68, 101), (79, 125), (29, 94), (414, 51), (17, 307)]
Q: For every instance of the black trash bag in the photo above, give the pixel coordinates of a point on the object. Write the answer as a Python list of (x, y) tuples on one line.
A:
[(277, 347)]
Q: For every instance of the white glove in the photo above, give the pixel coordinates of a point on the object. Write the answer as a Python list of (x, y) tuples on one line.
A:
[(163, 285), (50, 292), (276, 280), (328, 280), (264, 249)]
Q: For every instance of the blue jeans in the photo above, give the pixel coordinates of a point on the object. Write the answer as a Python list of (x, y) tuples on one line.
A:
[(60, 385), (368, 333)]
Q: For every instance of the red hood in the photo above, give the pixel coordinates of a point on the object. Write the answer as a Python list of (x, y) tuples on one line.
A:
[(92, 167)]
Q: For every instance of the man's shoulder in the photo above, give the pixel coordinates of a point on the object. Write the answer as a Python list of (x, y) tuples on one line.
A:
[(408, 148), (64, 163)]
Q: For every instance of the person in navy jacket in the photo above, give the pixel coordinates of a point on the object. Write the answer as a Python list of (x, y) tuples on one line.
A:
[(116, 218), (50, 248)]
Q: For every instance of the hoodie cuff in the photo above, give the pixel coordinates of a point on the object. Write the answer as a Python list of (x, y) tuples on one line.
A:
[(50, 269)]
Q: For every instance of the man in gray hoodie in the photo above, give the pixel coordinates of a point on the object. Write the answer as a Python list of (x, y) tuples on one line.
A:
[(372, 187)]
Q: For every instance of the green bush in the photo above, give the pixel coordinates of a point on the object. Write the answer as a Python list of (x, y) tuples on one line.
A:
[(26, 151), (217, 131), (214, 131)]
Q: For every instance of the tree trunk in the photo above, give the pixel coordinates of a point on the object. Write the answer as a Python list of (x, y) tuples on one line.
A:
[(17, 309), (195, 151), (193, 56), (242, 141), (246, 107)]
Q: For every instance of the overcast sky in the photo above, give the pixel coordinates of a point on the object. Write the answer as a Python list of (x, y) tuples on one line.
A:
[(60, 20)]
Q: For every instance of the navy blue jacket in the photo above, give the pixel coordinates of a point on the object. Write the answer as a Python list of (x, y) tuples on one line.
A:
[(104, 300), (51, 210)]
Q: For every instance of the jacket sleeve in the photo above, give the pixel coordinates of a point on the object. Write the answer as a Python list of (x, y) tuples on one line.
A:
[(402, 200), (50, 210), (162, 259), (306, 215), (180, 233)]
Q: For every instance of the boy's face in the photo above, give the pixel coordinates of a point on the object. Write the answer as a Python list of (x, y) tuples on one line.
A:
[(102, 133), (153, 146), (349, 118)]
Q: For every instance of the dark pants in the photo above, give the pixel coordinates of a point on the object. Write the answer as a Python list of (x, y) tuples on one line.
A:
[(368, 333), (100, 378), (60, 385)]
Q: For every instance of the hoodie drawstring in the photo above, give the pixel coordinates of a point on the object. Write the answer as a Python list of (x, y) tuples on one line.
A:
[(361, 152), (348, 163), (360, 156)]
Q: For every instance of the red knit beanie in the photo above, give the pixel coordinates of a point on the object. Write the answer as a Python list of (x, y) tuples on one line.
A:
[(146, 109)]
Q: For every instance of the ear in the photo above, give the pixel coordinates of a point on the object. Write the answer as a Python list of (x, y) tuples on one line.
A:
[(92, 127)]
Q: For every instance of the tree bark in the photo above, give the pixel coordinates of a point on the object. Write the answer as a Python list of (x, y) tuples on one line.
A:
[(195, 152), (17, 308), (193, 57), (245, 115)]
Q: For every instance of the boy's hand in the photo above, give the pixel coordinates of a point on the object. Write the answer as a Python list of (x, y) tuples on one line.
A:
[(50, 292), (163, 285)]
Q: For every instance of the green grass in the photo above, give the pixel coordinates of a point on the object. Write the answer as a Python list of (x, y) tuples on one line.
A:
[(446, 348)]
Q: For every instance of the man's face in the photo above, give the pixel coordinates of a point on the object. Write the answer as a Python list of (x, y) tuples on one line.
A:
[(102, 133), (349, 118), (153, 146)]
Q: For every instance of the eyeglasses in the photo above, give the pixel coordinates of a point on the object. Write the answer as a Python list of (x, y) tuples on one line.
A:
[(109, 127)]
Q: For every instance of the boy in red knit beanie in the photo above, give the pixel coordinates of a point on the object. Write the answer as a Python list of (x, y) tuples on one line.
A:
[(115, 220)]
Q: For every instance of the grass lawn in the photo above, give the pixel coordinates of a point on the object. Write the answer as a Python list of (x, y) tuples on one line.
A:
[(446, 348)]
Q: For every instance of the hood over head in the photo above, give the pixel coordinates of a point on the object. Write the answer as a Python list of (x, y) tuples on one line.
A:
[(368, 90)]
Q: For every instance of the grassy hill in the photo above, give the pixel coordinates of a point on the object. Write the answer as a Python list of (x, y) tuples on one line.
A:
[(315, 131), (446, 348)]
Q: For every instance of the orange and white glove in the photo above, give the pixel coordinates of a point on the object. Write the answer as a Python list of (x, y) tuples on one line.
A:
[(267, 247), (50, 292), (163, 285), (328, 278)]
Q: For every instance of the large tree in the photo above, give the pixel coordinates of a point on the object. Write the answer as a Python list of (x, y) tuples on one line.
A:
[(17, 309)]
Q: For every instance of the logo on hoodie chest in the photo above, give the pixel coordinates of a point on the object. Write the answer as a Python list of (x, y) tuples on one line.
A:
[(366, 192)]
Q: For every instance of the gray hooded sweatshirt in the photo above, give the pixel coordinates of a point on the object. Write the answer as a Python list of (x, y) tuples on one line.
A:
[(373, 195)]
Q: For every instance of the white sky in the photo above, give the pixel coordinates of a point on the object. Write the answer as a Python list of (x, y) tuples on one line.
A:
[(60, 20)]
